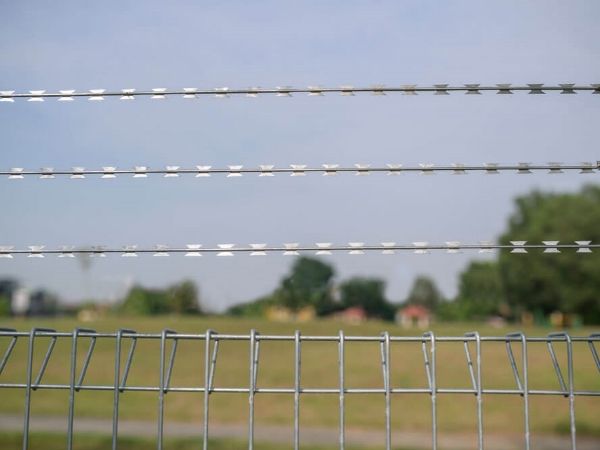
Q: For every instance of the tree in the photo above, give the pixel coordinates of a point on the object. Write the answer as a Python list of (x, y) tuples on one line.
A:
[(256, 308), (480, 293), (543, 283), (424, 292), (146, 302), (5, 310), (8, 286), (309, 284), (183, 298), (367, 293)]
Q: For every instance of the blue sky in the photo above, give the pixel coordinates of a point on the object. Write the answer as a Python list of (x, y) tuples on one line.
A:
[(114, 45)]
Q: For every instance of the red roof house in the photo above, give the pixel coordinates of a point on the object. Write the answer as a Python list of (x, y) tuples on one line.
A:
[(413, 315)]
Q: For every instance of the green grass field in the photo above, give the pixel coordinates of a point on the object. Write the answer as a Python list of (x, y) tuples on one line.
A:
[(49, 441), (319, 369)]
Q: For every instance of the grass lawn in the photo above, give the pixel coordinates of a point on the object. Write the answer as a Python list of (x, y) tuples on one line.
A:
[(502, 413), (47, 441)]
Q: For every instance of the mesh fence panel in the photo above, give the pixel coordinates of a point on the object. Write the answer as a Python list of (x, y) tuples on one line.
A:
[(123, 345)]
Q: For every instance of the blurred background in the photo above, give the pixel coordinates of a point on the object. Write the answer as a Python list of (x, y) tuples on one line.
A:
[(116, 45)]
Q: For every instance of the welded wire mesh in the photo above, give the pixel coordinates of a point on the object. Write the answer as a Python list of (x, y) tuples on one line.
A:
[(557, 347)]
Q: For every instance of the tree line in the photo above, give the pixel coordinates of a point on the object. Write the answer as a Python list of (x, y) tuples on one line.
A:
[(310, 284), (507, 286), (180, 298)]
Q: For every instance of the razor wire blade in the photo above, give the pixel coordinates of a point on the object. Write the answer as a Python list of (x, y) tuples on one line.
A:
[(68, 95), (269, 170), (295, 249), (476, 383)]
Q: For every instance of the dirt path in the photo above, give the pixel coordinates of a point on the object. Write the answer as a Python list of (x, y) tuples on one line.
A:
[(309, 435)]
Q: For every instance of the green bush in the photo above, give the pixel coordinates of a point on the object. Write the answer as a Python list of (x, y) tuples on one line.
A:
[(4, 307)]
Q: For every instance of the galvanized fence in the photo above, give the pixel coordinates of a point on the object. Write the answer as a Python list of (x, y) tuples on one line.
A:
[(125, 341)]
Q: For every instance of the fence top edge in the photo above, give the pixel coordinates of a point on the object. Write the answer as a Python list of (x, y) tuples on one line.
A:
[(174, 335)]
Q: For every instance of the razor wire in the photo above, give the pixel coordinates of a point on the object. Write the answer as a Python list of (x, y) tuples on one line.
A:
[(295, 249), (68, 95), (269, 170), (125, 340), (119, 387)]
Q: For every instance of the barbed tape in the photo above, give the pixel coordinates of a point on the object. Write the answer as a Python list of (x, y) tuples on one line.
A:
[(294, 248), (67, 95), (267, 170)]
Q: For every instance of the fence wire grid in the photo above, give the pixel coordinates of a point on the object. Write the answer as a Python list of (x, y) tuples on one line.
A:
[(125, 342)]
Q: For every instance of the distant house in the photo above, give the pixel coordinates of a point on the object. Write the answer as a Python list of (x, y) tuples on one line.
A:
[(413, 315), (305, 314), (278, 313), (352, 315)]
